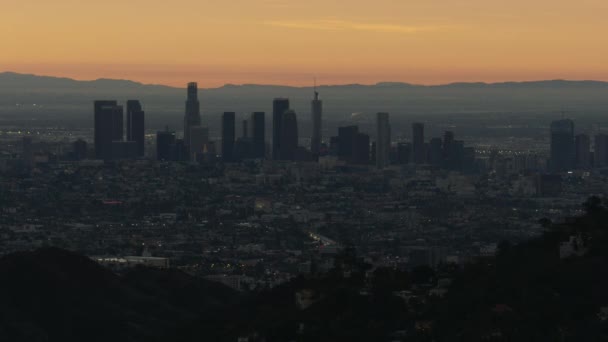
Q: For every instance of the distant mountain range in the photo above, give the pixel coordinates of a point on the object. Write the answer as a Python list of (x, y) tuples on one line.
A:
[(67, 99), (11, 79), (28, 82)]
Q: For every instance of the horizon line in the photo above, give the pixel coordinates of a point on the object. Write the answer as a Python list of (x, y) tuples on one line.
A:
[(305, 87)]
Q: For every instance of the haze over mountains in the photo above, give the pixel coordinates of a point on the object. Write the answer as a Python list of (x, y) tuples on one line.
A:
[(69, 100)]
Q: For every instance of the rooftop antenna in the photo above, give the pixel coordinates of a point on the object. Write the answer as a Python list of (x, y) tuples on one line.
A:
[(315, 88)]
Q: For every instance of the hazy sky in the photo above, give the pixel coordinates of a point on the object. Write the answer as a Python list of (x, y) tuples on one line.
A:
[(290, 41)]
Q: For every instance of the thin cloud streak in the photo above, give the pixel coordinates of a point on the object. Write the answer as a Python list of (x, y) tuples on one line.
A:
[(343, 25)]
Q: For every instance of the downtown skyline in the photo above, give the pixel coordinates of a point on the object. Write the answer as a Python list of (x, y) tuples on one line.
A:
[(289, 43), (311, 171)]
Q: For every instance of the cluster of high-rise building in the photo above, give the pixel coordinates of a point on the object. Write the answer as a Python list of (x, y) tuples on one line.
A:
[(567, 151), (350, 145), (571, 152), (354, 146), (110, 142), (196, 145)]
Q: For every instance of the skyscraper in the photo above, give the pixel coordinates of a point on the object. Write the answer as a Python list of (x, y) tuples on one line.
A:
[(289, 135), (228, 136), (600, 150), (279, 107), (179, 151), (562, 146), (360, 149), (346, 140), (165, 144), (245, 129), (193, 111), (435, 152), (334, 143), (418, 143), (243, 148), (583, 151), (136, 125), (448, 142), (199, 137), (258, 134), (457, 157), (383, 142), (317, 117), (373, 151), (108, 127), (404, 151), (80, 149)]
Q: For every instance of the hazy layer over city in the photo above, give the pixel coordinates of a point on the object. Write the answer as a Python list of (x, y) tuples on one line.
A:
[(472, 109)]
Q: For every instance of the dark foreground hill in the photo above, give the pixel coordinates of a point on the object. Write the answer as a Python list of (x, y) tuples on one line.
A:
[(553, 288), (55, 295)]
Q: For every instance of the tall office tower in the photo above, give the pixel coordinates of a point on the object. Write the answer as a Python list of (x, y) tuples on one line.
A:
[(346, 140), (108, 127), (583, 151), (448, 142), (208, 154), (258, 134), (80, 149), (279, 107), (468, 161), (243, 149), (317, 117), (193, 111), (562, 146), (245, 129), (360, 149), (383, 142), (392, 155), (418, 143), (435, 152), (403, 153), (228, 135), (136, 126), (600, 153), (373, 152), (289, 135), (165, 145), (334, 144), (179, 152), (457, 160), (199, 137)]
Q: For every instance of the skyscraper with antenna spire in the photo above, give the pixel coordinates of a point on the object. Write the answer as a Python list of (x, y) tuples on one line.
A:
[(317, 116)]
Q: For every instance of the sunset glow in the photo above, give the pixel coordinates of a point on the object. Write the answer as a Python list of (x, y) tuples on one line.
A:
[(290, 42)]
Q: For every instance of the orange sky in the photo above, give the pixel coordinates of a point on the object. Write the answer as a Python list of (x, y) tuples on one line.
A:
[(289, 41)]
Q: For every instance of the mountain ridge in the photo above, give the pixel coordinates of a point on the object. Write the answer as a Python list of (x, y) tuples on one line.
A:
[(8, 76), (26, 97)]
